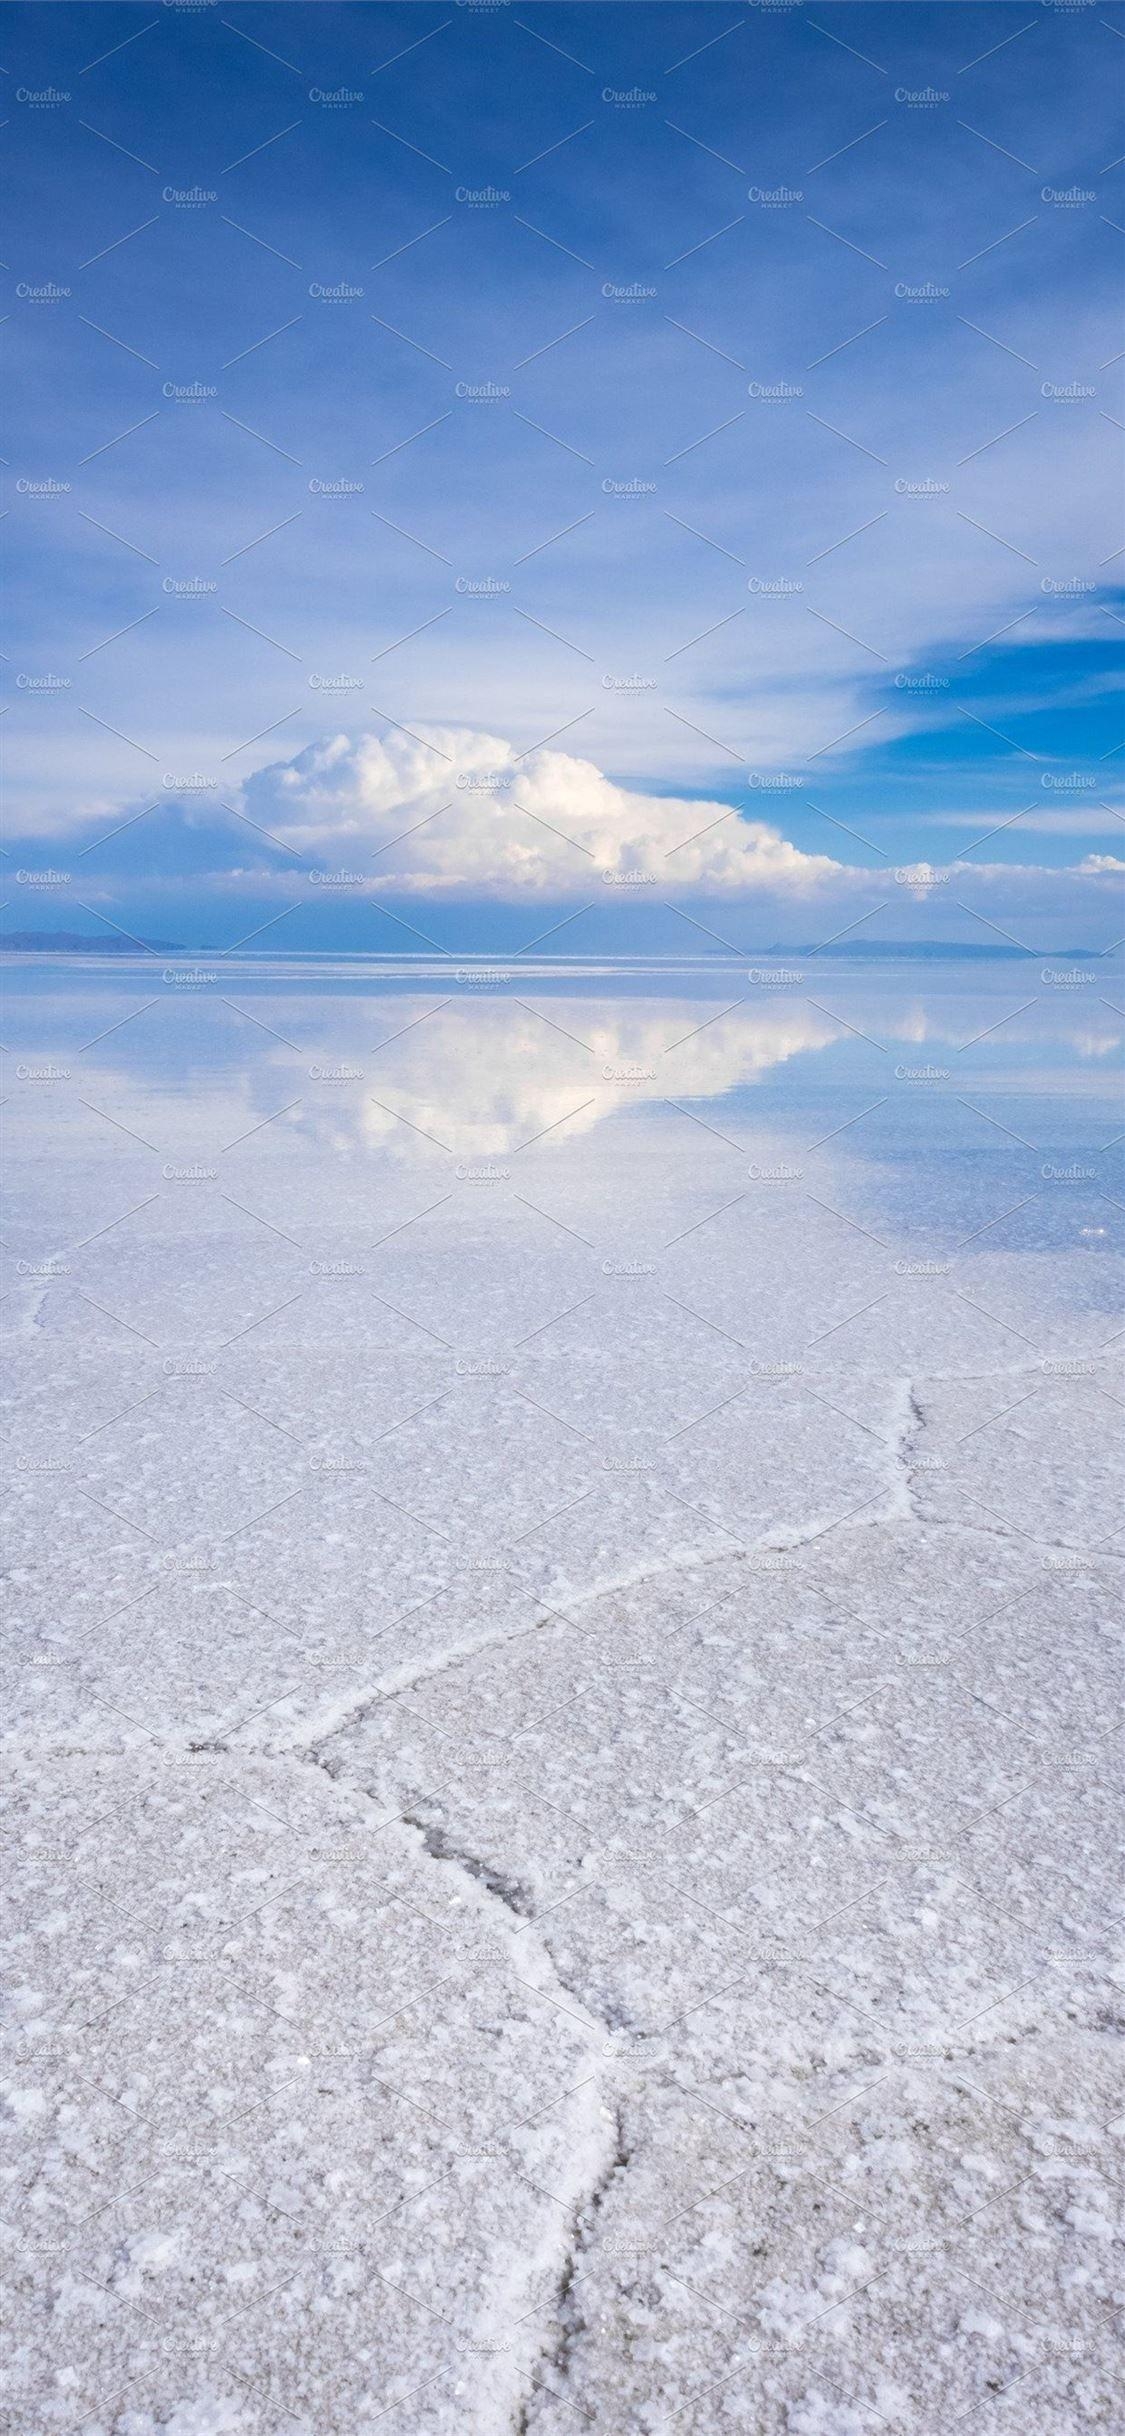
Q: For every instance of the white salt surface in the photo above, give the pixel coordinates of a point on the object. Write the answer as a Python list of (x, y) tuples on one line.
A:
[(563, 1787)]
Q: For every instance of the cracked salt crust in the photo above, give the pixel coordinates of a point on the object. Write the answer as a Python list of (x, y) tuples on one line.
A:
[(490, 1954)]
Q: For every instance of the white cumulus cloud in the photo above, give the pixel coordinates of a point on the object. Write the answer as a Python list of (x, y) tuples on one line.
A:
[(451, 811)]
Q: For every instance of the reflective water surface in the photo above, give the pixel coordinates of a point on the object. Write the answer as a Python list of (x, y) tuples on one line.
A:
[(945, 1093)]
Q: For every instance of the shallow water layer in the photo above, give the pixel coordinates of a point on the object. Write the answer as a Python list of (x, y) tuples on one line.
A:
[(562, 1694)]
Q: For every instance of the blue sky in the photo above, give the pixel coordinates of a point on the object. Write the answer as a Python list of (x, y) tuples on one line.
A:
[(710, 408)]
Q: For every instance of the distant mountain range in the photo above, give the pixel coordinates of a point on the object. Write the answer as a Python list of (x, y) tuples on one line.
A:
[(933, 950), (883, 951), (84, 943)]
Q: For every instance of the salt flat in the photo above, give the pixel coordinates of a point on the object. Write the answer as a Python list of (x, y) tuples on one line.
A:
[(563, 1784)]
